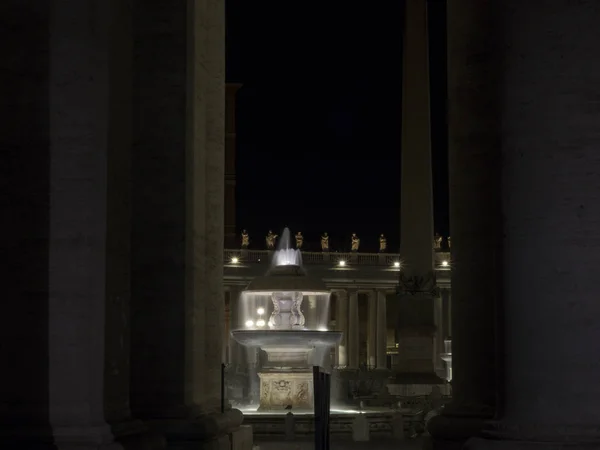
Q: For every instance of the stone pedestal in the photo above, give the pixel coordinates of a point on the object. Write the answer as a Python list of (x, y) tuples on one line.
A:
[(280, 390)]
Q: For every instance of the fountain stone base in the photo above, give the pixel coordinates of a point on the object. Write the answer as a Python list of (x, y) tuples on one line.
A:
[(282, 390)]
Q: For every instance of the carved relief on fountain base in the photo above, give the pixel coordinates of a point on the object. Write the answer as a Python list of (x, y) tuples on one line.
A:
[(281, 390)]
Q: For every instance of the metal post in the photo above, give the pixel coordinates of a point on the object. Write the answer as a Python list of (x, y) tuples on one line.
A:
[(321, 388)]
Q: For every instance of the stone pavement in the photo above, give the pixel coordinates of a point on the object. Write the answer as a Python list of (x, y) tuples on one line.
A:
[(375, 444)]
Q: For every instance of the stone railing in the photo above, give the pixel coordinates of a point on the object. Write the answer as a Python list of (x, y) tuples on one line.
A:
[(233, 257)]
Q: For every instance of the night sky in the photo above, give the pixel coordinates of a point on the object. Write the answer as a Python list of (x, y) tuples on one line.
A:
[(319, 118)]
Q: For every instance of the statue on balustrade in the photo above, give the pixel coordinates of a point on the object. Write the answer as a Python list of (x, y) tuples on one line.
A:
[(437, 242), (449, 243), (299, 240), (355, 242), (325, 242), (270, 240), (382, 243), (245, 239)]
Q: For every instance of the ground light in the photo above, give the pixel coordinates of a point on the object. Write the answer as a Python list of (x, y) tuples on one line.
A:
[(235, 260), (445, 263), (396, 263), (341, 263)]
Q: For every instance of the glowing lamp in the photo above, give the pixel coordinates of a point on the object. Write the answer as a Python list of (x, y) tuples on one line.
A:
[(249, 324), (235, 260), (342, 263), (396, 263), (445, 263), (260, 312), (260, 323), (322, 329)]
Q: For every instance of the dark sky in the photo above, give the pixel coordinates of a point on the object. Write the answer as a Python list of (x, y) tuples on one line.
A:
[(319, 118)]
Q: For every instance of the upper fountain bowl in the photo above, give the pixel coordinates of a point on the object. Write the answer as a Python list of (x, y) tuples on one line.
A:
[(287, 278)]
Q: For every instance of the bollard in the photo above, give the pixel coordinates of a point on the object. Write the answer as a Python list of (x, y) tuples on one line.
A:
[(360, 428), (289, 427), (398, 426)]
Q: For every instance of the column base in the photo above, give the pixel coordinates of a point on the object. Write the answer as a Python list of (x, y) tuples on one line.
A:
[(512, 436), (455, 426)]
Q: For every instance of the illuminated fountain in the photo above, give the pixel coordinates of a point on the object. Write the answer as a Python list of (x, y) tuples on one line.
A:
[(292, 344)]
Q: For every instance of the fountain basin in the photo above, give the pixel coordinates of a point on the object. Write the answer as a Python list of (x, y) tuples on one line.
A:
[(287, 338)]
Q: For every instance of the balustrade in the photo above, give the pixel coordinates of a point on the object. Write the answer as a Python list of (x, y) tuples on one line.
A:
[(393, 260)]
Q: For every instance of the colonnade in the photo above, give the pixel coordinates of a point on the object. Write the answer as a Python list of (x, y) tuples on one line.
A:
[(347, 321)]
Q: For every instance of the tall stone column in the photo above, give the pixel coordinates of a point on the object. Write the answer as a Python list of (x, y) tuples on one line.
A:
[(417, 287), (65, 327), (353, 330), (341, 319), (372, 329), (475, 220), (236, 351), (447, 312), (381, 330), (551, 238), (178, 220)]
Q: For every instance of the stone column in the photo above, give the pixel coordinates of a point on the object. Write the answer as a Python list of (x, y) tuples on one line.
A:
[(438, 311), (447, 312), (341, 319), (551, 238), (475, 220), (372, 330), (178, 172), (381, 330), (353, 330), (67, 144), (417, 284), (236, 351)]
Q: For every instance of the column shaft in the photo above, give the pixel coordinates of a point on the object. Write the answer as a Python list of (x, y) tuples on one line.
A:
[(372, 330), (353, 330), (475, 220), (178, 220), (551, 212), (236, 351), (341, 320), (65, 335), (381, 330)]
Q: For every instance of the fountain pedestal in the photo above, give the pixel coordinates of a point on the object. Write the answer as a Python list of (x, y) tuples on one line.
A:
[(280, 390)]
